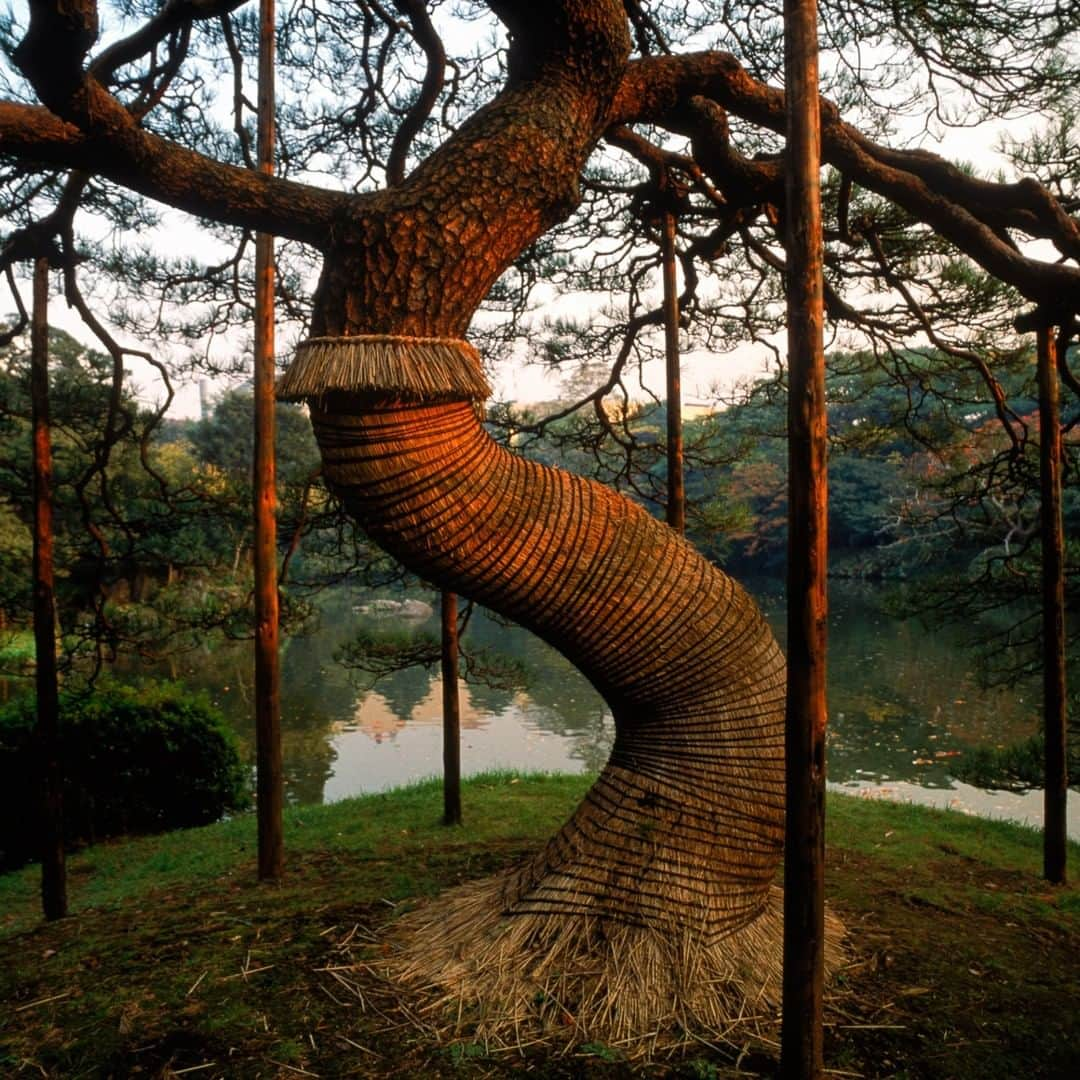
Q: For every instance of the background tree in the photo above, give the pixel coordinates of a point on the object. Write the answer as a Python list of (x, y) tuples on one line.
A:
[(107, 497), (154, 545)]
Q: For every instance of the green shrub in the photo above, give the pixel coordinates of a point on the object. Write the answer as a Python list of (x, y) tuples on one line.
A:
[(136, 759)]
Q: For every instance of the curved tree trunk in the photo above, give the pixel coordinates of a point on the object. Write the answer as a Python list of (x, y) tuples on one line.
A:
[(667, 865), (652, 909), (685, 824)]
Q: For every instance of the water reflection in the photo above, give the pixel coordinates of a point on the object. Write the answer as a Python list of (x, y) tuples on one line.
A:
[(905, 702)]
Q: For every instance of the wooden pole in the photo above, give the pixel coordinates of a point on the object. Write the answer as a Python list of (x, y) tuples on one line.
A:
[(451, 712), (676, 506), (269, 773), (804, 852), (1055, 795), (53, 867)]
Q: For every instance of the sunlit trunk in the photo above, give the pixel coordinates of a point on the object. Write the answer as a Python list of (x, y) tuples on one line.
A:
[(676, 488), (270, 780), (801, 1055), (1056, 792), (451, 701)]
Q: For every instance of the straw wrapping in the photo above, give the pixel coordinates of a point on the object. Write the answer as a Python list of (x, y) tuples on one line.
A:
[(405, 368), (650, 917)]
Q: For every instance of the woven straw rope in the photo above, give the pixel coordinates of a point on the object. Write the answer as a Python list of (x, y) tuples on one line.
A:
[(685, 823)]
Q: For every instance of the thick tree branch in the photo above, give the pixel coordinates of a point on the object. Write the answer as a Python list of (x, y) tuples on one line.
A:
[(172, 174), (746, 181), (91, 130), (174, 15), (239, 101), (566, 39), (58, 37), (965, 210), (425, 261)]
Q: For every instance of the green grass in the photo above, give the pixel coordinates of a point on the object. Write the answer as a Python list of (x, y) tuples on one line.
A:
[(973, 857), (901, 832), (964, 960), (397, 837)]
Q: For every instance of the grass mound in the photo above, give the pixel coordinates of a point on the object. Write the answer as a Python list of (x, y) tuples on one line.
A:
[(962, 959)]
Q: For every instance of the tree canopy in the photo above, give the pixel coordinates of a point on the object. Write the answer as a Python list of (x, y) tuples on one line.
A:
[(452, 168), (568, 123)]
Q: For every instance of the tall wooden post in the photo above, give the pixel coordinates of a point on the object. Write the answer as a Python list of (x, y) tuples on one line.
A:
[(451, 712), (676, 504), (53, 867), (1053, 600), (804, 852), (269, 773)]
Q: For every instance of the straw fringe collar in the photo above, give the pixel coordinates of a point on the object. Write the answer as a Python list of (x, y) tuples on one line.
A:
[(410, 368)]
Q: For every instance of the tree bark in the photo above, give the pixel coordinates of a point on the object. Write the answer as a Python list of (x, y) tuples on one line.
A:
[(53, 867), (269, 772), (676, 505), (1056, 792), (451, 712), (804, 850)]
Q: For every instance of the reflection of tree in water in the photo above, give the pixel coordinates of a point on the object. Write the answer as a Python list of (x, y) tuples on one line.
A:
[(506, 668), (904, 701), (592, 747), (899, 694), (491, 699), (309, 758), (566, 706), (404, 690), (311, 700), (558, 698), (316, 693), (315, 698)]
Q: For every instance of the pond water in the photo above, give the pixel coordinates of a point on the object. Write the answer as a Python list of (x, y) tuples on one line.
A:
[(904, 703)]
